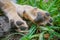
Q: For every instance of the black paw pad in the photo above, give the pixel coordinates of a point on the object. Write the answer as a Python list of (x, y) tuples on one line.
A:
[(19, 23), (47, 14), (23, 28), (12, 23), (39, 18), (50, 20), (48, 24)]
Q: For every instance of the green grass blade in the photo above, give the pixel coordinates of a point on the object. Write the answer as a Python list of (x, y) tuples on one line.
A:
[(51, 5), (31, 31), (41, 37)]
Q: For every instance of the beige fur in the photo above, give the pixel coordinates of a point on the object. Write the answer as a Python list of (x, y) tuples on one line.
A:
[(28, 12), (11, 13)]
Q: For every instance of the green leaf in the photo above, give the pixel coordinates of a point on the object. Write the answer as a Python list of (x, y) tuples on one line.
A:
[(36, 35), (31, 32), (51, 36), (41, 37), (51, 5)]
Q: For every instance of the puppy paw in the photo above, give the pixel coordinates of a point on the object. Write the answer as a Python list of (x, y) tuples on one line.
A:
[(10, 11), (18, 24), (13, 17), (35, 15)]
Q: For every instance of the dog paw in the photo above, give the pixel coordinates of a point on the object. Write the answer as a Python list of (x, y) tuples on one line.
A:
[(14, 19), (35, 15), (18, 24), (10, 11)]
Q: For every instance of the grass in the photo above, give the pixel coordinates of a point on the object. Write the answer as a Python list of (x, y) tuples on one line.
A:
[(53, 7)]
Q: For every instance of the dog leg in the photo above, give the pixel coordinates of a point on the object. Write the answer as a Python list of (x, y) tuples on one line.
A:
[(11, 13), (33, 14)]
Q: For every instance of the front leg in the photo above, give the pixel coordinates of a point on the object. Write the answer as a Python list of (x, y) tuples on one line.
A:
[(36, 15), (10, 11)]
